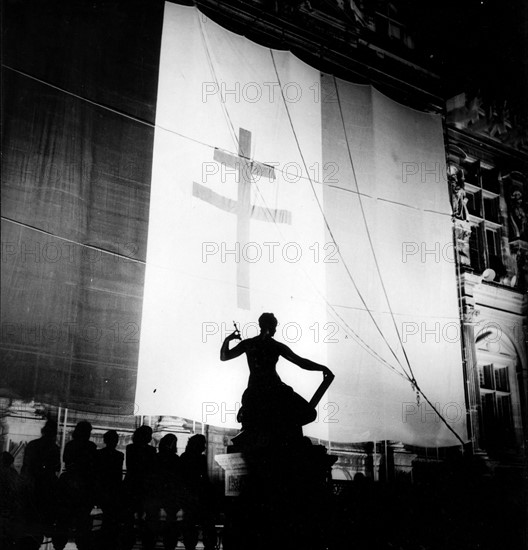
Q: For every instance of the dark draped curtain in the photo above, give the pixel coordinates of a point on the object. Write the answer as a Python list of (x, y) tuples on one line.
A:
[(78, 109)]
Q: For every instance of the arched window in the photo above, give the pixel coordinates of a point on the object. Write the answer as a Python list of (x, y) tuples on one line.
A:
[(498, 367)]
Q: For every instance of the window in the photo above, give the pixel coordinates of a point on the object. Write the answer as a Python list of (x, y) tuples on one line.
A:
[(492, 241), (490, 180), (486, 377), (504, 412), (471, 172), (501, 379), (491, 209), (394, 30), (408, 41), (476, 249), (474, 203), (482, 189), (494, 249), (496, 420), (488, 424)]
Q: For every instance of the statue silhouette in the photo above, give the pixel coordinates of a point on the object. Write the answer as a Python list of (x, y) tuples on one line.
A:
[(269, 407)]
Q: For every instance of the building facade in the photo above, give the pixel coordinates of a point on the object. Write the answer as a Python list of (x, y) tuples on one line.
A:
[(488, 180), (487, 175)]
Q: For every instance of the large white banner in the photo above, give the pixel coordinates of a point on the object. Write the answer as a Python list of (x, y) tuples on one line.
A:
[(255, 208)]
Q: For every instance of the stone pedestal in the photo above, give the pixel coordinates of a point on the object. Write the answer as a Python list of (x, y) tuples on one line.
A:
[(236, 470), (280, 497)]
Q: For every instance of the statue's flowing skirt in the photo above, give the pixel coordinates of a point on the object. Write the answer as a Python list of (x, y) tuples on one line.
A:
[(274, 404)]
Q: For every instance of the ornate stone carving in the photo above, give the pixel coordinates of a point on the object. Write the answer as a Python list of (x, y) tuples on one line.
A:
[(462, 234), (495, 119), (470, 314), (518, 215), (519, 250), (458, 193)]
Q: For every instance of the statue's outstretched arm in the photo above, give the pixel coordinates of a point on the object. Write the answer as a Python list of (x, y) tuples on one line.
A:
[(305, 364), (225, 353)]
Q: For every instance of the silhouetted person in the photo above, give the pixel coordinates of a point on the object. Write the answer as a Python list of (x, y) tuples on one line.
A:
[(109, 466), (161, 492), (360, 513), (199, 501), (9, 500), (77, 489), (139, 462), (40, 467), (268, 404)]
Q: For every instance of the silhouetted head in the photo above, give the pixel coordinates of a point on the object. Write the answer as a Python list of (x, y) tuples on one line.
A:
[(359, 478), (168, 444), (143, 435), (111, 439), (268, 323), (49, 429), (196, 444), (82, 431)]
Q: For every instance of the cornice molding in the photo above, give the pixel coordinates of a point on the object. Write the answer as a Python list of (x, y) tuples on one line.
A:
[(495, 124), (487, 149), (494, 297)]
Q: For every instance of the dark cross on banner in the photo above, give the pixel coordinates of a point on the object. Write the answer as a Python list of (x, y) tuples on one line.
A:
[(248, 170)]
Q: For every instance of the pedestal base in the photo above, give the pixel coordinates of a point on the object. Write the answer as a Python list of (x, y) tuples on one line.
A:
[(281, 498), (235, 468)]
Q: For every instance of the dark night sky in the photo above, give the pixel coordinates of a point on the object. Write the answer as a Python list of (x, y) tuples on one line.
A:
[(475, 44)]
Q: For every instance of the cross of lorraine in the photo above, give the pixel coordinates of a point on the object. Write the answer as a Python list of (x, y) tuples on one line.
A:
[(242, 207)]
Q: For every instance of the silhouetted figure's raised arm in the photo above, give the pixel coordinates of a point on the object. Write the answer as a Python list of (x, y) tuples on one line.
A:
[(225, 353)]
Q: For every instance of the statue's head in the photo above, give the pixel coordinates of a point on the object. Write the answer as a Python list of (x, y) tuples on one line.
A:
[(268, 323)]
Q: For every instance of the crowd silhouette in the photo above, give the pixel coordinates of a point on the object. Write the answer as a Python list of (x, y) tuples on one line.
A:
[(163, 497)]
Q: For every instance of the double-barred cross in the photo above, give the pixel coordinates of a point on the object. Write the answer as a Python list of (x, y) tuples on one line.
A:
[(242, 207)]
